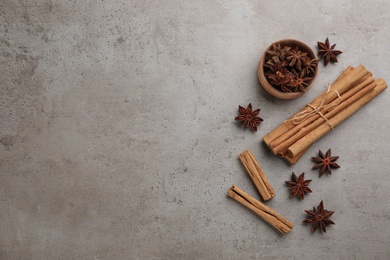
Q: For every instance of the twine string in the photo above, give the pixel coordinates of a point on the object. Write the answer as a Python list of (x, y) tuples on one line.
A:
[(305, 114)]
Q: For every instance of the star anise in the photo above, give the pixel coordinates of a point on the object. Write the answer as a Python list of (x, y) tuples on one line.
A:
[(279, 79), (275, 49), (298, 185), (310, 65), (278, 51), (249, 117), (297, 58), (276, 64), (299, 81), (319, 217), (325, 162), (327, 52), (288, 89)]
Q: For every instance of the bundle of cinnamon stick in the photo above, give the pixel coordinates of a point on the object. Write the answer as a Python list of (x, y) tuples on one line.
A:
[(352, 90)]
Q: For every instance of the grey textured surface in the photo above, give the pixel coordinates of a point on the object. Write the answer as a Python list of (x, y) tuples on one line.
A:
[(118, 138)]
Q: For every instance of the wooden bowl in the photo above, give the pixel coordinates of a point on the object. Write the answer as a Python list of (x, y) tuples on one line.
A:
[(264, 81)]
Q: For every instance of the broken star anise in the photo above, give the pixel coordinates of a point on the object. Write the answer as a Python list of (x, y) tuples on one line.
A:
[(325, 162), (318, 217), (327, 52), (298, 185), (249, 117)]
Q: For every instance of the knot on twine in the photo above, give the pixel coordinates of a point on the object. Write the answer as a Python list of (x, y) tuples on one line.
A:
[(305, 114)]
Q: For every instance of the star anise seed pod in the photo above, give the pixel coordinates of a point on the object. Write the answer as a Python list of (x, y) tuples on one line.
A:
[(319, 217), (275, 50), (279, 51), (296, 57), (249, 118), (280, 77), (310, 65), (327, 52), (276, 64), (325, 162), (299, 81), (288, 89), (298, 185)]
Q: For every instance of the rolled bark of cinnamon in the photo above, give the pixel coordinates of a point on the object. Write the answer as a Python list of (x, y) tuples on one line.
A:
[(323, 129), (285, 140), (349, 78), (269, 215), (345, 102), (352, 90), (257, 175)]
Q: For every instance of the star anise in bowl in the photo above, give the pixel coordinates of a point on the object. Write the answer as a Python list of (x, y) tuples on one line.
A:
[(288, 68)]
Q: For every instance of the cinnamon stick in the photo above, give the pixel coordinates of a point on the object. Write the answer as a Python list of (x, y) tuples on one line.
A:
[(295, 135), (266, 213), (257, 175), (271, 136), (349, 79), (316, 120), (293, 160), (320, 131), (285, 140)]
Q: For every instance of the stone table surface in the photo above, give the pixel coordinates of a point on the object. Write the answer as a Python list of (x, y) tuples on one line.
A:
[(118, 139)]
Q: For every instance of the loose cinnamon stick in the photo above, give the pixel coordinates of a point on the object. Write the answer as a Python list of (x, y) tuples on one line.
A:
[(285, 140), (257, 175), (266, 213), (349, 79), (320, 131), (346, 99)]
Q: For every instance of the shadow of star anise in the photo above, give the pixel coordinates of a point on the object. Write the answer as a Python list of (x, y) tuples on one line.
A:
[(298, 185), (318, 217), (325, 162), (249, 117)]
